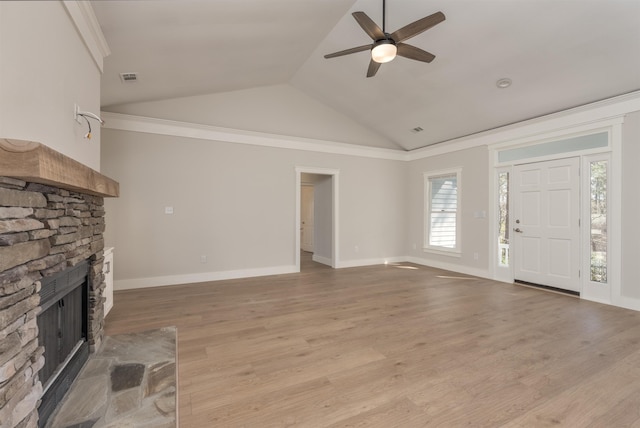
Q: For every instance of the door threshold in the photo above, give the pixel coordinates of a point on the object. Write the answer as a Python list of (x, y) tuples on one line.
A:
[(547, 288)]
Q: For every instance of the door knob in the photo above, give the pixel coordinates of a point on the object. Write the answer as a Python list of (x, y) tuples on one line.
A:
[(517, 229)]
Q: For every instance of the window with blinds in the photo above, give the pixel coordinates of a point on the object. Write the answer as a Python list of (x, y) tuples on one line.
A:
[(442, 222)]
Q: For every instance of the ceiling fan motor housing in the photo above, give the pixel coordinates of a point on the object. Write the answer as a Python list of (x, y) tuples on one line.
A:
[(384, 50)]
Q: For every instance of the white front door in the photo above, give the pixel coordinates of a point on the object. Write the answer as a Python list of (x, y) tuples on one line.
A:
[(306, 218), (546, 223)]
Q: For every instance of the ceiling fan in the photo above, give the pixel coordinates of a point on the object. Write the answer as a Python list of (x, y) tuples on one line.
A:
[(386, 46)]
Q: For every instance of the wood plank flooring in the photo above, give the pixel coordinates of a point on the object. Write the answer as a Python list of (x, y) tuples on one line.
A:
[(391, 346)]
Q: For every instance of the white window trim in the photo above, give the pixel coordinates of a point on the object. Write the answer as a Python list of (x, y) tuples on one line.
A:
[(591, 290), (500, 272), (426, 247)]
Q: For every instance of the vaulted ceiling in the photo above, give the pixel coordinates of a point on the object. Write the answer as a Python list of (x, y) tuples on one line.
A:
[(558, 53)]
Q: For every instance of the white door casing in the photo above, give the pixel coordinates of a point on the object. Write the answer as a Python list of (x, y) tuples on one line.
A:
[(306, 218), (546, 223)]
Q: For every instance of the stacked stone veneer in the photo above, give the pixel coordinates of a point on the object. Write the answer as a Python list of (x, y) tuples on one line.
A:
[(43, 230)]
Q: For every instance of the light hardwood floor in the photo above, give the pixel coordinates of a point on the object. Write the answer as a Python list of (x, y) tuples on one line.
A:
[(391, 346)]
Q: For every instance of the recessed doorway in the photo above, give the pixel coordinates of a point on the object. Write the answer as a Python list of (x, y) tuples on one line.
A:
[(316, 216)]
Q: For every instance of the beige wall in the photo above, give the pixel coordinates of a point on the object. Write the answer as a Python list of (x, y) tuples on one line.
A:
[(44, 69), (474, 163), (235, 203), (631, 206)]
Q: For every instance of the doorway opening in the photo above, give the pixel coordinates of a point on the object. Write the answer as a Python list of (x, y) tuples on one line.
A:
[(316, 225)]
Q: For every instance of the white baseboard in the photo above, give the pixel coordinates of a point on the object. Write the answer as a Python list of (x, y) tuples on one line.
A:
[(108, 307), (627, 303), (482, 273), (159, 281), (323, 260), (129, 284), (371, 262)]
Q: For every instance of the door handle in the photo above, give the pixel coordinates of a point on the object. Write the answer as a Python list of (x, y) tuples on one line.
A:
[(517, 229)]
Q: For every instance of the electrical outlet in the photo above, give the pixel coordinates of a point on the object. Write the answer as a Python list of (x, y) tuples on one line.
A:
[(356, 248), (475, 256), (168, 210), (203, 258)]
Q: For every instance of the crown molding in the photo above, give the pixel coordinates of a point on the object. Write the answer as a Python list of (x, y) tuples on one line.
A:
[(594, 113), (598, 111), (150, 125), (85, 21)]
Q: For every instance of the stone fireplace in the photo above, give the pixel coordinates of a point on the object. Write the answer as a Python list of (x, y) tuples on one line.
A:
[(51, 222)]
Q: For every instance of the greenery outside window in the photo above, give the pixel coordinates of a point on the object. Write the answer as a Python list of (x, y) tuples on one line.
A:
[(503, 218), (598, 221)]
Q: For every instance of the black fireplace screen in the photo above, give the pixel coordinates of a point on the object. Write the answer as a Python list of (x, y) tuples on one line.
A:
[(62, 325)]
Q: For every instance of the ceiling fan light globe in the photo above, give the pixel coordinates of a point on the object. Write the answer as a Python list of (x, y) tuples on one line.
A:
[(384, 52)]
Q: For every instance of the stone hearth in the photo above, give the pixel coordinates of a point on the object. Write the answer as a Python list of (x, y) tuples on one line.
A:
[(130, 381)]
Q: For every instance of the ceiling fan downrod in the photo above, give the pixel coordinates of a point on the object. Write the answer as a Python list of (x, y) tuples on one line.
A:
[(384, 12)]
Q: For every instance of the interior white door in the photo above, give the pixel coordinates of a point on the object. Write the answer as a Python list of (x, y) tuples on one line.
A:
[(306, 218), (546, 223)]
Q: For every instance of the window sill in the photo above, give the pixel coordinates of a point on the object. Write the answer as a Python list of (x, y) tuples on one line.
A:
[(450, 253)]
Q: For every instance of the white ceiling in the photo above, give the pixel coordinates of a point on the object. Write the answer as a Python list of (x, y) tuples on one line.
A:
[(559, 54)]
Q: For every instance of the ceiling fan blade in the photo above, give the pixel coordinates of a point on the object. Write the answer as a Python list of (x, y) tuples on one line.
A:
[(373, 68), (370, 27), (348, 51), (417, 27), (413, 52)]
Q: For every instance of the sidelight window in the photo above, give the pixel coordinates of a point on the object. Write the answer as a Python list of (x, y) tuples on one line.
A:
[(598, 220), (503, 218)]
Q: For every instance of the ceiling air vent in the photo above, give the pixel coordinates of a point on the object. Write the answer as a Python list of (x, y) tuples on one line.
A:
[(129, 77)]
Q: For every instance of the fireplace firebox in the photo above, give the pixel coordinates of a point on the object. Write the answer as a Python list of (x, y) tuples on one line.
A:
[(62, 327)]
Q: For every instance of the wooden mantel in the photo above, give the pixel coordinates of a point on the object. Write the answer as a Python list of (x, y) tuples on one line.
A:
[(35, 162)]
